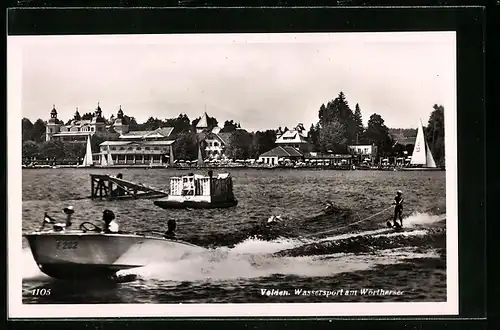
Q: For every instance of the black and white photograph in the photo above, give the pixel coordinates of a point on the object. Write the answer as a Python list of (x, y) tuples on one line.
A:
[(259, 174)]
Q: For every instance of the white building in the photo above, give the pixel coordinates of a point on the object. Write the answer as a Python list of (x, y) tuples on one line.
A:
[(295, 138), (77, 129)]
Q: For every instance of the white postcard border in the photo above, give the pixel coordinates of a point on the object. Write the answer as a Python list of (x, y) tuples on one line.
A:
[(16, 309)]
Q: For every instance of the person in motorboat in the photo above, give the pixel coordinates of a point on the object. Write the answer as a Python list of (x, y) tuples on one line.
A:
[(170, 233), (398, 209), (69, 212), (60, 226), (110, 224)]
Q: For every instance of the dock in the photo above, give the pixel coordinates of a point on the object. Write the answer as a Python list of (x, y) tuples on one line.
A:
[(103, 186)]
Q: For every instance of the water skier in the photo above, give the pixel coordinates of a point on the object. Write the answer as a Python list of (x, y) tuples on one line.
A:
[(398, 209)]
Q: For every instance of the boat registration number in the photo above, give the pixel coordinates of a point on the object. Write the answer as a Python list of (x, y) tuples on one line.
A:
[(66, 245)]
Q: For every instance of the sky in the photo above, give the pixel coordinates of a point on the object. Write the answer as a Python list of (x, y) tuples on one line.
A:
[(262, 81)]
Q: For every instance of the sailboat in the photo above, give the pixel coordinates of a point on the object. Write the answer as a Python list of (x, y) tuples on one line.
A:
[(87, 160), (110, 158), (421, 159)]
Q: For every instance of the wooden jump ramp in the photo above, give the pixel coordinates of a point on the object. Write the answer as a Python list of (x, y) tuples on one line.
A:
[(108, 187)]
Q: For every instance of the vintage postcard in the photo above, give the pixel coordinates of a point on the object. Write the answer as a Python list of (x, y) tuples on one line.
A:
[(198, 175)]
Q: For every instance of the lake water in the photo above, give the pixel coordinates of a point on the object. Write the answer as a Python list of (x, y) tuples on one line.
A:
[(246, 255)]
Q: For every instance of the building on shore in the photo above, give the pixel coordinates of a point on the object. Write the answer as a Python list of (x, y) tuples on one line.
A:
[(280, 154), (295, 138), (365, 153), (214, 141), (137, 147), (77, 130)]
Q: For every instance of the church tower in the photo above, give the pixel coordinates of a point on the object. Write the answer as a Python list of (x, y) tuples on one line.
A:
[(98, 122), (52, 124), (120, 125)]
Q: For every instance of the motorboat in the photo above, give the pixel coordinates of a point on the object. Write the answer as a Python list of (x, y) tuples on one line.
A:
[(89, 252)]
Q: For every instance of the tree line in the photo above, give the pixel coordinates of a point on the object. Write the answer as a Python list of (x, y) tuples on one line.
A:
[(338, 126)]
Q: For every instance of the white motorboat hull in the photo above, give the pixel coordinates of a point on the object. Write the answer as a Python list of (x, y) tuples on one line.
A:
[(82, 254)]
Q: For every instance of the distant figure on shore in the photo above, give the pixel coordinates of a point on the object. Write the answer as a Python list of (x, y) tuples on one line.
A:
[(171, 226), (110, 224), (398, 209), (119, 176)]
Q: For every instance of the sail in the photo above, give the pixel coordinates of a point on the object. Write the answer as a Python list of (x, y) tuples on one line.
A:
[(110, 158), (429, 160), (104, 160), (200, 156), (87, 160), (421, 153)]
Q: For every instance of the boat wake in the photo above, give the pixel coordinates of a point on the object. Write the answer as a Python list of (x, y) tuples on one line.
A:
[(293, 256)]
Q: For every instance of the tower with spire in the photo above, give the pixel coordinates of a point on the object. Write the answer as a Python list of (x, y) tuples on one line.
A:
[(53, 125), (202, 124), (120, 125), (98, 121)]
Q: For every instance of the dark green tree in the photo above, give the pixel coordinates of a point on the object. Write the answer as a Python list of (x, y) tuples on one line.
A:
[(313, 136), (338, 110), (262, 142), (74, 150), (180, 124), (378, 134), (434, 133), (358, 122), (87, 116), (151, 124), (239, 146), (332, 137), (131, 122), (30, 149), (39, 130), (185, 146), (27, 129), (52, 150), (229, 126)]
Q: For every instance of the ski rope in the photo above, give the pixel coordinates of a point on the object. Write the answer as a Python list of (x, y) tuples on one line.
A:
[(351, 224)]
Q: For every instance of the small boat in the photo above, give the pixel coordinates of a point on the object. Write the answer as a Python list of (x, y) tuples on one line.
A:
[(89, 253), (199, 191), (421, 159)]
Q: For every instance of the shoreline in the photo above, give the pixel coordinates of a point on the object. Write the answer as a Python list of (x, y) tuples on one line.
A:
[(192, 168)]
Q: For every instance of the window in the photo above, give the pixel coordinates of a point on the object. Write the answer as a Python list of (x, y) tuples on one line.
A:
[(147, 148), (156, 148), (216, 144), (113, 148), (122, 148), (129, 148), (138, 148)]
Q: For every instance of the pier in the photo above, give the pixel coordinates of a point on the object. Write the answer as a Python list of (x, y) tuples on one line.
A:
[(109, 187)]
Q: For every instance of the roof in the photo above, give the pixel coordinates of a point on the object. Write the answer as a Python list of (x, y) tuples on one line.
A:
[(402, 139), (157, 133), (282, 152), (72, 133), (203, 123), (225, 137), (147, 143), (292, 136)]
